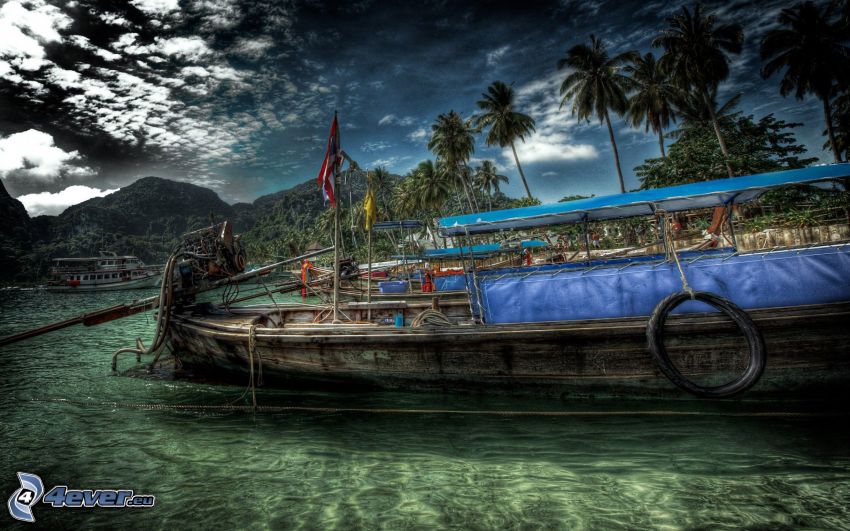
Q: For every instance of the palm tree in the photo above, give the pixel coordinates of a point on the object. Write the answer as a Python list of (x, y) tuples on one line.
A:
[(488, 180), (813, 52), (434, 188), (595, 86), (696, 56), (453, 143), (693, 111), (652, 102), (506, 125)]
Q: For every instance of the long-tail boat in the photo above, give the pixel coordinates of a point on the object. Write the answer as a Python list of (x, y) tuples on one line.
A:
[(711, 323)]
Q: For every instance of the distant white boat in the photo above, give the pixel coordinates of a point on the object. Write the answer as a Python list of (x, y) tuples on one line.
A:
[(102, 273)]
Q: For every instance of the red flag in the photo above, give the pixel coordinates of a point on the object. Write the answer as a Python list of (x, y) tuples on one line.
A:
[(330, 166)]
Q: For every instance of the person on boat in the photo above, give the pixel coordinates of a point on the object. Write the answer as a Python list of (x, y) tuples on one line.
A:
[(526, 257), (427, 280), (306, 271)]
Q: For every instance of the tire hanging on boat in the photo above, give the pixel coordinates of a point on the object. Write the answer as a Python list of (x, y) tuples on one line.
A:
[(755, 343)]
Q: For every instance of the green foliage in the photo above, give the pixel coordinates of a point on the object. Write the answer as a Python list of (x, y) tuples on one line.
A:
[(523, 202), (754, 147)]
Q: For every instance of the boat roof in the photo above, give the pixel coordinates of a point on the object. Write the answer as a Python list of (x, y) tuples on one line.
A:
[(481, 250), (704, 194)]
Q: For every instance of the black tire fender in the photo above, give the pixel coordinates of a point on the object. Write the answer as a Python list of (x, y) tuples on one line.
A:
[(755, 342)]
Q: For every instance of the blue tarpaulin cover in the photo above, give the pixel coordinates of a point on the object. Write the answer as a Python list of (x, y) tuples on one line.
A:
[(756, 280), (643, 203), (450, 283)]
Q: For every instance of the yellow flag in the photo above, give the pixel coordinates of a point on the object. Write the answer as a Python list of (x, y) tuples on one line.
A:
[(369, 209)]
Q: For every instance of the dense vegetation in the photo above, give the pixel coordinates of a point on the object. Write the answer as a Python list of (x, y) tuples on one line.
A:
[(674, 96)]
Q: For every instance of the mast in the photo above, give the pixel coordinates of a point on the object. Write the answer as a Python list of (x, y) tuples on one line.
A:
[(337, 164)]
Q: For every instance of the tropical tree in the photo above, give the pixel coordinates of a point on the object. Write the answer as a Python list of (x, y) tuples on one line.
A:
[(812, 50), (434, 187), (596, 85), (841, 124), (506, 125), (696, 55), (654, 94), (694, 113), (488, 180), (452, 142)]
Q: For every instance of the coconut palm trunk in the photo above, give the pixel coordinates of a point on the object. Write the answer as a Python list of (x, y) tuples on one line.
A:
[(719, 134), (661, 143), (827, 116), (616, 153), (521, 173)]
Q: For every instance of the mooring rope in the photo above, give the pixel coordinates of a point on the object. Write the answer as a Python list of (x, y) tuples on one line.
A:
[(668, 234), (237, 408), (163, 317)]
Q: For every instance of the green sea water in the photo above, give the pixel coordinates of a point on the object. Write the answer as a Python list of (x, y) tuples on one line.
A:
[(706, 466)]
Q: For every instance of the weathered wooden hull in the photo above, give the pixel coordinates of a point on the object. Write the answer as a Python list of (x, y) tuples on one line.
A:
[(808, 352)]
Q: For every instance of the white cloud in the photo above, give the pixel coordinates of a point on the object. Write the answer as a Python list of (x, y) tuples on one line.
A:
[(252, 48), (392, 119), (191, 48), (550, 148), (552, 140), (156, 7), (494, 56), (83, 42), (391, 163), (51, 204), (25, 30), (418, 135), (369, 147), (114, 18), (33, 154)]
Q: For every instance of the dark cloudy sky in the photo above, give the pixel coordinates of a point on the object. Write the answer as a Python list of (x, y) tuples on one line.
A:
[(238, 95)]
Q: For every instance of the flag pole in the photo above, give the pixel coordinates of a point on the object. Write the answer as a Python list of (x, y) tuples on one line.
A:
[(369, 277), (337, 165)]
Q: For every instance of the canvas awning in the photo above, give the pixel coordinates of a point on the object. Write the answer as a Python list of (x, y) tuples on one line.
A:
[(692, 196)]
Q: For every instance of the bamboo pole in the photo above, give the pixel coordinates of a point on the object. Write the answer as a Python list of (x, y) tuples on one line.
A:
[(336, 233), (369, 274)]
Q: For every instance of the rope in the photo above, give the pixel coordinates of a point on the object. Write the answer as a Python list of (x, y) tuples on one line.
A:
[(163, 317), (430, 317), (668, 235), (428, 411)]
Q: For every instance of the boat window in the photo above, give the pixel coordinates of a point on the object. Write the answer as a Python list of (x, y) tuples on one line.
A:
[(85, 277), (99, 277)]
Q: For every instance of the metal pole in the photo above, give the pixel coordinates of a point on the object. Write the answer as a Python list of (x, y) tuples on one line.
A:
[(586, 241), (731, 226), (369, 275)]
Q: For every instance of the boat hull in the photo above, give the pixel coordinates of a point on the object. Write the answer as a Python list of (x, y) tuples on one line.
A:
[(808, 353), (140, 283)]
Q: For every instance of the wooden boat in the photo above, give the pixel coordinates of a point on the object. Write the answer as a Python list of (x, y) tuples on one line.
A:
[(807, 346), (573, 329), (101, 273)]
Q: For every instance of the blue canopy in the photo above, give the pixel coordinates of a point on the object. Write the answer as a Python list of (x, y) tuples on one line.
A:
[(692, 196), (481, 250)]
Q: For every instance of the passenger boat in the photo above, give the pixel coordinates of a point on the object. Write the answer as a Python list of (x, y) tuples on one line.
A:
[(710, 322), (101, 273)]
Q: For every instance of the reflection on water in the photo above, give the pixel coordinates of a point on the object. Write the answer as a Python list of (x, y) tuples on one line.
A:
[(714, 467)]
